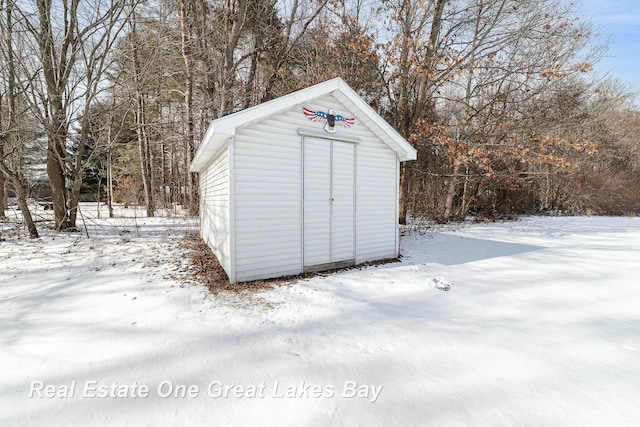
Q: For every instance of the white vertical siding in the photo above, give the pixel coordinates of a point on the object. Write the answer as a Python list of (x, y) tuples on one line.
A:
[(376, 186), (214, 209), (329, 203), (376, 195), (343, 204), (268, 193), (317, 209), (268, 200)]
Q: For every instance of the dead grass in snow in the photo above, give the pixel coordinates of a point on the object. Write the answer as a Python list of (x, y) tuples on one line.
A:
[(205, 268)]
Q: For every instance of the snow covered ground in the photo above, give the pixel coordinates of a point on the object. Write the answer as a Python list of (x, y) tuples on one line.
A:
[(541, 327)]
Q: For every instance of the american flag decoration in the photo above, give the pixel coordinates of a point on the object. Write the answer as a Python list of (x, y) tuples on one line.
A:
[(329, 118)]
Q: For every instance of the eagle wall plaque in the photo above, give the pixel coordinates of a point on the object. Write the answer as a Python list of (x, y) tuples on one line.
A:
[(329, 118)]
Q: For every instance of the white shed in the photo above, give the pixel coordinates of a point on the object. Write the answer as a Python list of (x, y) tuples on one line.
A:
[(305, 182)]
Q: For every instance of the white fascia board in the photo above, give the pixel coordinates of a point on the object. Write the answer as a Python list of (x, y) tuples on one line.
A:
[(402, 147), (220, 130), (197, 163), (229, 124), (225, 127), (210, 146)]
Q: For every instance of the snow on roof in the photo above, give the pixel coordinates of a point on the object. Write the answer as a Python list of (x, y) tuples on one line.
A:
[(224, 128)]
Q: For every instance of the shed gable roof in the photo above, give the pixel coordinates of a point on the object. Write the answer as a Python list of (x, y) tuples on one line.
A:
[(225, 127)]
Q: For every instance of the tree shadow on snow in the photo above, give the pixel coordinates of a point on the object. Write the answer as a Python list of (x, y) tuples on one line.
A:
[(448, 249)]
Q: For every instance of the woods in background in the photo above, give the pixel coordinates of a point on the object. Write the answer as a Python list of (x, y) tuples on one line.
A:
[(498, 96)]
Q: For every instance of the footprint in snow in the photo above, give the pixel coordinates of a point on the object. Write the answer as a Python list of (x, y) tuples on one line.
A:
[(440, 283)]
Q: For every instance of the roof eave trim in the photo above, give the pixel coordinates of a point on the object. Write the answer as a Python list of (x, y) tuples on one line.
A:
[(208, 150), (404, 145)]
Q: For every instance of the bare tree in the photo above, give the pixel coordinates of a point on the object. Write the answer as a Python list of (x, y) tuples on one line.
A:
[(11, 144), (465, 64), (3, 194), (73, 39), (190, 182), (144, 146), (466, 81), (94, 60), (301, 16)]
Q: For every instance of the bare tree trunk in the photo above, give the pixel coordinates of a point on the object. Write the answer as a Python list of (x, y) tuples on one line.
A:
[(98, 191), (235, 17), (78, 173), (110, 181), (3, 176), (402, 104), (404, 193), (249, 91), (402, 107), (171, 178), (21, 195), (56, 71), (451, 192), (57, 184), (73, 201), (163, 175), (207, 54), (15, 175), (465, 201), (406, 118), (189, 144), (424, 81), (140, 122), (3, 193), (143, 150), (16, 181)]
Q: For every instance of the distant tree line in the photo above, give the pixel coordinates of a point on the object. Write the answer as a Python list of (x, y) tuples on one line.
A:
[(498, 96)]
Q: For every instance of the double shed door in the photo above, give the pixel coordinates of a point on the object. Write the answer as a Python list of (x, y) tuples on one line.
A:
[(329, 203)]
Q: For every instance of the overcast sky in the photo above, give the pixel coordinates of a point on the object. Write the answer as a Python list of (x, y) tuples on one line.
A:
[(617, 21)]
